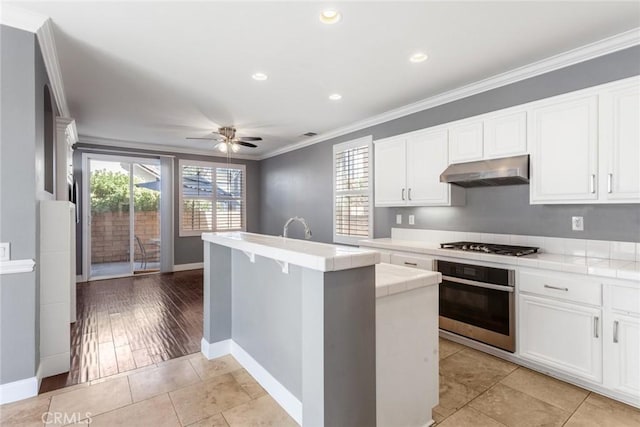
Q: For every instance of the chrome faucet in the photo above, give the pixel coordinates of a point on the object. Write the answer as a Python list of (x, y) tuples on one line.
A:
[(307, 230)]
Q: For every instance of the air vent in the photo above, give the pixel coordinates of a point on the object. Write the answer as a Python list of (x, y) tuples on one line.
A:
[(309, 134)]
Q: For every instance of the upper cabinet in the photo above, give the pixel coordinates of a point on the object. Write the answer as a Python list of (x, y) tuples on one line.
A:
[(585, 146), (620, 143), (490, 136), (465, 144), (564, 141), (505, 134), (408, 168)]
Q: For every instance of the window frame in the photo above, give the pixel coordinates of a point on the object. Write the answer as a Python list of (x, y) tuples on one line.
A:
[(343, 146), (214, 165)]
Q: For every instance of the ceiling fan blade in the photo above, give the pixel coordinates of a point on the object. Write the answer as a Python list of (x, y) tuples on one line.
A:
[(206, 139), (250, 138), (245, 144)]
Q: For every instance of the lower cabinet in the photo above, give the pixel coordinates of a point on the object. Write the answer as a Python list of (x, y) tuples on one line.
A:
[(622, 354), (561, 335)]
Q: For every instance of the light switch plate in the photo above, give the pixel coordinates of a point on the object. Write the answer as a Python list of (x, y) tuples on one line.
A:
[(412, 220), (5, 251), (399, 219), (577, 223)]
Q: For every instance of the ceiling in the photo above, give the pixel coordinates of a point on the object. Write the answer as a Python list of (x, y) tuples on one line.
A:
[(157, 73)]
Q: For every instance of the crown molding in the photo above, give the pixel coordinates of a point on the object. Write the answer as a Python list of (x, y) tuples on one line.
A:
[(67, 124), (52, 64), (114, 144), (584, 53), (21, 19)]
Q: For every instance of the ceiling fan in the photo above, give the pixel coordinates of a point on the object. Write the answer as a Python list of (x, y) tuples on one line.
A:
[(226, 136)]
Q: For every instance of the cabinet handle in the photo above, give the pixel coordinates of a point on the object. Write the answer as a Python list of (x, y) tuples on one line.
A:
[(413, 264), (596, 320), (556, 288), (592, 183), (615, 331), (409, 194), (403, 194), (610, 183)]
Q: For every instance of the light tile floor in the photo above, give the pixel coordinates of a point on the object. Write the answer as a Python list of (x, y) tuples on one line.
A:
[(476, 390)]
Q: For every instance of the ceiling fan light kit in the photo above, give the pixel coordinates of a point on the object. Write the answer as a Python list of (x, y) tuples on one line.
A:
[(228, 140)]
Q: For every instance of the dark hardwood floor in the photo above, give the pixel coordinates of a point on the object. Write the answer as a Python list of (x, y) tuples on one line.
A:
[(131, 322)]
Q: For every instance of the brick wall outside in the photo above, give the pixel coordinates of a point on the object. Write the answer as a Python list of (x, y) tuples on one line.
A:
[(110, 235)]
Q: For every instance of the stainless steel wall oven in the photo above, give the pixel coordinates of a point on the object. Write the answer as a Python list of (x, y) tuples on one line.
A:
[(479, 303)]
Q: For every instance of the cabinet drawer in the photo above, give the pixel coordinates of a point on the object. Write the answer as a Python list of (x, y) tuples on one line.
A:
[(625, 298), (576, 289), (415, 261)]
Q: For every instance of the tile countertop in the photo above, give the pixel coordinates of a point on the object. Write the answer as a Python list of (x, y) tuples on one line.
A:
[(392, 279), (620, 269), (312, 255)]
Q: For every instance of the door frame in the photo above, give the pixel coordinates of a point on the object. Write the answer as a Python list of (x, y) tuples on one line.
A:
[(86, 211)]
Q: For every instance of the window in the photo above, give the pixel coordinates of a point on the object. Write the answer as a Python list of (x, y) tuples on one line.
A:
[(352, 195), (212, 197)]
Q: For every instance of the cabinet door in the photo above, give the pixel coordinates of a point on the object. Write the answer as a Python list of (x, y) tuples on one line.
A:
[(465, 142), (620, 143), (390, 172), (623, 354), (427, 154), (560, 335), (505, 135), (563, 137)]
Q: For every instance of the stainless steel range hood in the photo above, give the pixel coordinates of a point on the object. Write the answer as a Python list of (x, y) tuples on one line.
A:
[(484, 173)]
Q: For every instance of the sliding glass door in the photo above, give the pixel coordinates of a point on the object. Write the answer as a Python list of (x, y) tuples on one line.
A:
[(124, 216)]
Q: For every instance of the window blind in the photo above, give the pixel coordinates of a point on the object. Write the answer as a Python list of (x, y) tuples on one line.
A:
[(212, 197), (352, 193)]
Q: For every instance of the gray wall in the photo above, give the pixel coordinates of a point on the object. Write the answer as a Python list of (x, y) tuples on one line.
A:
[(300, 183), (21, 185), (187, 250)]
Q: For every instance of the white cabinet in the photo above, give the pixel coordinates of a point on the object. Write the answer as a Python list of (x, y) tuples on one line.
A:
[(622, 339), (408, 168), (505, 134), (585, 146), (622, 354), (620, 143), (57, 284), (561, 335), (390, 172), (466, 142), (564, 139), (420, 262)]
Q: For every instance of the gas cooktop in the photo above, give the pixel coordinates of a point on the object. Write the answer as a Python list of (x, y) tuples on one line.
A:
[(490, 248)]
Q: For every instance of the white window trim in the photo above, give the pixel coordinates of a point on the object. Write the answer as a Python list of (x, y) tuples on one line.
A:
[(181, 163), (368, 141)]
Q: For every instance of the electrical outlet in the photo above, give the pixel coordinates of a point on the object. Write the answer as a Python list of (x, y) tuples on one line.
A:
[(5, 251), (577, 223), (399, 219), (412, 220)]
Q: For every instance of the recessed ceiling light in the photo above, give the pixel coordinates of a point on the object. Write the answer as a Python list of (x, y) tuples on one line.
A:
[(418, 57), (330, 16), (259, 76), (335, 97)]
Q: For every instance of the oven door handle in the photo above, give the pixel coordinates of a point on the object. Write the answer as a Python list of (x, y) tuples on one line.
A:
[(478, 284)]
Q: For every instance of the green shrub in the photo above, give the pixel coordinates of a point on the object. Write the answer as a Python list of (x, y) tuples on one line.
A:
[(110, 193)]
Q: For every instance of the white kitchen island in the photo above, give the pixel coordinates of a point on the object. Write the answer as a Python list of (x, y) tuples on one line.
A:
[(300, 317), (336, 339)]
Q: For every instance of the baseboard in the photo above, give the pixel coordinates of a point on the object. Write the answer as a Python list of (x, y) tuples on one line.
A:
[(279, 392), (185, 267), (54, 365), (284, 397), (216, 349), (18, 390)]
